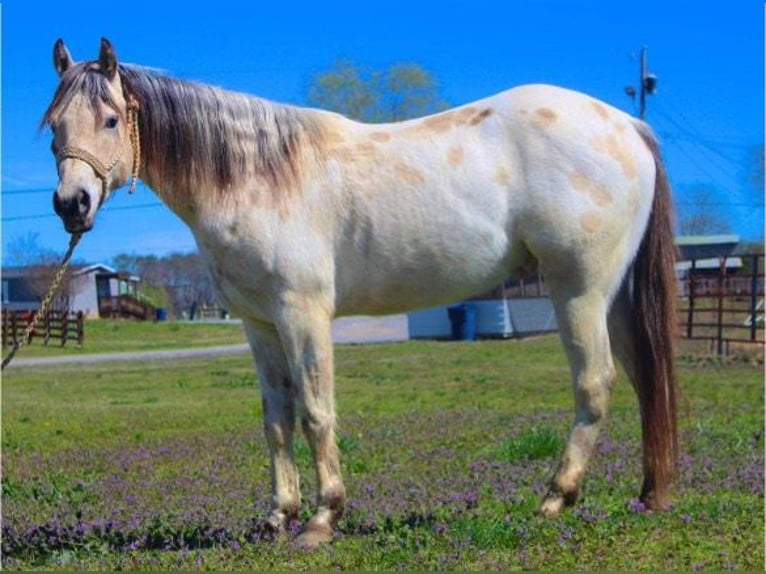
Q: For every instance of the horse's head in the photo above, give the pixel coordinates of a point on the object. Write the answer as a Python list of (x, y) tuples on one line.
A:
[(95, 135)]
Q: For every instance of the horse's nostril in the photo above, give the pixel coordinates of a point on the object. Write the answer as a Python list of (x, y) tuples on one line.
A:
[(74, 207), (84, 202)]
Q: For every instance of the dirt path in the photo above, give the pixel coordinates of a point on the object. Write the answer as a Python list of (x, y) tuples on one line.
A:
[(345, 330)]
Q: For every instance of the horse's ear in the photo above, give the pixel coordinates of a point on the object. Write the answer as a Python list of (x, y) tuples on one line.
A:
[(62, 59), (107, 59)]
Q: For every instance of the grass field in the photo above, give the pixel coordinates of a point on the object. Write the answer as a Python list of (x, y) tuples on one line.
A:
[(445, 450), (106, 336)]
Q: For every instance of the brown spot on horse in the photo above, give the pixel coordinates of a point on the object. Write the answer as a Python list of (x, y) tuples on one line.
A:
[(545, 116), (599, 193), (408, 173), (502, 176), (455, 156), (601, 110), (380, 137), (590, 221), (481, 116)]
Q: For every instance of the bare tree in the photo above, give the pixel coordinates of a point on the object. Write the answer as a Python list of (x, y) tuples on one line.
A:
[(188, 283), (702, 215), (40, 267), (23, 250), (182, 278)]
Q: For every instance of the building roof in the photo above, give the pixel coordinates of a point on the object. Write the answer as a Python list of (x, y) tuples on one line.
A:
[(77, 270), (706, 246), (97, 267)]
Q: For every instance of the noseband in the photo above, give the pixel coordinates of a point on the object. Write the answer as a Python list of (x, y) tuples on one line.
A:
[(102, 170)]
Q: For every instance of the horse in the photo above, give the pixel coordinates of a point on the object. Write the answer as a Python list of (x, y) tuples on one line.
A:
[(303, 215)]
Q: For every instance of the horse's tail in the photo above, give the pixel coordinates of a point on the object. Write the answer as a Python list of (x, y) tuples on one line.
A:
[(654, 303)]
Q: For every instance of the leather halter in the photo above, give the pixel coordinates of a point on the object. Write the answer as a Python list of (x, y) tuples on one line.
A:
[(103, 170)]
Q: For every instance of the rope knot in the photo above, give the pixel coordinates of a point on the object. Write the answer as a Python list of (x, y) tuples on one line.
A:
[(135, 141)]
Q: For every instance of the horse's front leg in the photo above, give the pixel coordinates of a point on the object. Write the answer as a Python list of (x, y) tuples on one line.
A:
[(305, 329), (278, 422)]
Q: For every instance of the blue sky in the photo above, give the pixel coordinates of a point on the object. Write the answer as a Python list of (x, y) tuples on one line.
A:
[(708, 55)]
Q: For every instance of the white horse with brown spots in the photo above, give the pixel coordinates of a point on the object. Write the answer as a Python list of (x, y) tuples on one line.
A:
[(304, 215)]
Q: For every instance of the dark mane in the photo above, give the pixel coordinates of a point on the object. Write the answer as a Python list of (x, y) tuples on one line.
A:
[(193, 135)]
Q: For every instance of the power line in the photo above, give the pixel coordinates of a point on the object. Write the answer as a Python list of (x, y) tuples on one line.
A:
[(722, 203), (27, 217), (36, 190), (692, 135), (32, 191), (698, 162), (105, 210)]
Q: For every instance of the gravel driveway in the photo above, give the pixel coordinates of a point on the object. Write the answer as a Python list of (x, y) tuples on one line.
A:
[(345, 330)]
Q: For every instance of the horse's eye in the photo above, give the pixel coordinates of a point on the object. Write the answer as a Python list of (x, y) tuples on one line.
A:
[(111, 122)]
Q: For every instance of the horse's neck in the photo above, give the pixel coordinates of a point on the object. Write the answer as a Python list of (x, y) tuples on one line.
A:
[(180, 201), (266, 183), (225, 142)]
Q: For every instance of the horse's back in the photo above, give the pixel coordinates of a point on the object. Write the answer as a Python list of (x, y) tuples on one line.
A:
[(588, 180), (437, 206)]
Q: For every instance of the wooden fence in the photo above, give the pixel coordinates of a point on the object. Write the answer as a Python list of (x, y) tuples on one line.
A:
[(724, 308), (56, 326), (125, 307)]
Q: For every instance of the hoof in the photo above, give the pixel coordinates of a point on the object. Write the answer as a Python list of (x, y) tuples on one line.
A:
[(551, 506), (655, 501), (274, 528), (555, 501), (266, 532), (316, 534), (654, 498)]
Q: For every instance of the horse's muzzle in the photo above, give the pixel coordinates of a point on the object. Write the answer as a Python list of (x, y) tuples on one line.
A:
[(74, 211)]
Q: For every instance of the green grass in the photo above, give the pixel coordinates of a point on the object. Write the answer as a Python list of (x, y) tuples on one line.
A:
[(533, 444), (445, 447), (108, 336)]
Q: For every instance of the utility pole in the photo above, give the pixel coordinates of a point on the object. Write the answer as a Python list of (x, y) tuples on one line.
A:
[(647, 84)]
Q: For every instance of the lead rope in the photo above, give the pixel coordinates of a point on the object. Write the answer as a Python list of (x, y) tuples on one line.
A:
[(46, 302)]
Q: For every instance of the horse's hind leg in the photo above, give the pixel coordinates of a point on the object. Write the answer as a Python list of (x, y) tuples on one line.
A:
[(305, 330), (583, 328), (278, 421)]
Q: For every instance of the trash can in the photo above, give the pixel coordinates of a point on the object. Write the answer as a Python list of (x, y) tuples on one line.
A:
[(161, 315), (463, 322)]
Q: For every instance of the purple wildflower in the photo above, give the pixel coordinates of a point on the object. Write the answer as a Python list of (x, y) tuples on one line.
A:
[(636, 506), (294, 528)]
